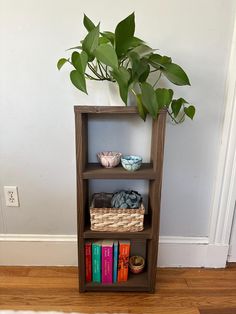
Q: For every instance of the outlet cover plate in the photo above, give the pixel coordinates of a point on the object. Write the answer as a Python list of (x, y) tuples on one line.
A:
[(11, 196)]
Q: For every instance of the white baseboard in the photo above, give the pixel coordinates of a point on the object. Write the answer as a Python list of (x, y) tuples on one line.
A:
[(55, 250), (38, 250), (232, 254)]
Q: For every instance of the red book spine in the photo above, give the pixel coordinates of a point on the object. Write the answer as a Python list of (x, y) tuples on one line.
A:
[(88, 261)]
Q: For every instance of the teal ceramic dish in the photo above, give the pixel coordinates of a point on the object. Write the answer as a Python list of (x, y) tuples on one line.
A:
[(131, 162)]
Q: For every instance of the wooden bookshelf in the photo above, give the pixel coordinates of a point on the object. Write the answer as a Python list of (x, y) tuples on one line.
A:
[(150, 171)]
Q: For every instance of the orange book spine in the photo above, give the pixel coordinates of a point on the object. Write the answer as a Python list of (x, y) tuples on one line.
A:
[(123, 264)]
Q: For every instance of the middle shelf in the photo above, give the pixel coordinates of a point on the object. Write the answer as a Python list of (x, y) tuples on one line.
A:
[(96, 171), (145, 234)]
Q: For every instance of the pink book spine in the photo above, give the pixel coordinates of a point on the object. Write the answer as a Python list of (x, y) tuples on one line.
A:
[(107, 264)]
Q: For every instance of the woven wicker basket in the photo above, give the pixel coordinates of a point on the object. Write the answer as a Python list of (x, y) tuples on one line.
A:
[(104, 218)]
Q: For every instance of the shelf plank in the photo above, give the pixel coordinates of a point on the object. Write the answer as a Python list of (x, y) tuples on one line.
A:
[(106, 109), (145, 234), (137, 282), (96, 171), (109, 110)]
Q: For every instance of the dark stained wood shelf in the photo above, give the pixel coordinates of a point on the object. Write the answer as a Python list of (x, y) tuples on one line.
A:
[(96, 171), (138, 282), (145, 234), (109, 110), (149, 171), (106, 109)]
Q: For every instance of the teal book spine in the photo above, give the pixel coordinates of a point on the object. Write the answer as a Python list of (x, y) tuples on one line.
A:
[(96, 261), (115, 261)]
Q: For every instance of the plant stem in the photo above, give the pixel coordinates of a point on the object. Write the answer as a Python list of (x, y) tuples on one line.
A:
[(132, 90), (157, 80), (91, 77), (94, 72), (170, 114), (154, 70), (127, 64), (182, 119), (87, 75), (100, 68), (105, 70)]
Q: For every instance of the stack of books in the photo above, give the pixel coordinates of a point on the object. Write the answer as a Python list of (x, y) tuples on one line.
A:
[(107, 261)]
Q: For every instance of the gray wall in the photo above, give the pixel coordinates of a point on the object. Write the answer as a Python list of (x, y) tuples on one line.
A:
[(37, 150)]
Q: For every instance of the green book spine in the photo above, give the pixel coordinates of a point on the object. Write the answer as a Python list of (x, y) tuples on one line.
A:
[(96, 261)]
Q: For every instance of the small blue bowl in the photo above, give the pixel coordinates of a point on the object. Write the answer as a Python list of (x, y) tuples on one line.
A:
[(131, 162)]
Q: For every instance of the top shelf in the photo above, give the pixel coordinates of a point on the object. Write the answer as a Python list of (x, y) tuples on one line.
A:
[(109, 109), (106, 109)]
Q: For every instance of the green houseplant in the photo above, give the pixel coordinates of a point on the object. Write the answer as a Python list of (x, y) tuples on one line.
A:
[(127, 60)]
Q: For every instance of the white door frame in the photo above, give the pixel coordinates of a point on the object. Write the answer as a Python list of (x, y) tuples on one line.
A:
[(225, 188)]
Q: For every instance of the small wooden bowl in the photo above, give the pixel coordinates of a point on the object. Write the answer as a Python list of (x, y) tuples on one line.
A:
[(136, 264)]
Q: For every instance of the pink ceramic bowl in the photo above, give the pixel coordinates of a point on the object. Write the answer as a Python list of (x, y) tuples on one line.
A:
[(109, 159)]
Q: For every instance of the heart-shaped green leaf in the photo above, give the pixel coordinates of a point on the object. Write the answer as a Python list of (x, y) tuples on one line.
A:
[(107, 55), (90, 42), (175, 74), (110, 36), (88, 23), (190, 111), (122, 77), (135, 42), (124, 33), (176, 105), (143, 50), (61, 62), (140, 67), (84, 60), (137, 67), (158, 61), (141, 109), (164, 97), (79, 61), (149, 99), (103, 40), (78, 80), (145, 74)]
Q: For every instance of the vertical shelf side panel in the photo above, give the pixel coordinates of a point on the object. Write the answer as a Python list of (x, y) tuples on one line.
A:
[(157, 156), (157, 143), (81, 131), (81, 125), (81, 260), (152, 250)]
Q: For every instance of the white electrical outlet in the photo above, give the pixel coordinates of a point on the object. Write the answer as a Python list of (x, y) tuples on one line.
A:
[(11, 196)]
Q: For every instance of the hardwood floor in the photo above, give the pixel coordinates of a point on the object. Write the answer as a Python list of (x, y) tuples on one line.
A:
[(178, 291)]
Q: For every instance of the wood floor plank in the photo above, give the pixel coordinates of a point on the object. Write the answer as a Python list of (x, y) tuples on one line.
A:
[(178, 291), (108, 310), (218, 311), (212, 283), (197, 273), (38, 282)]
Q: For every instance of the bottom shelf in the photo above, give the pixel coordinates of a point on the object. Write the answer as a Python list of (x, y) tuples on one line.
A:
[(137, 282)]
